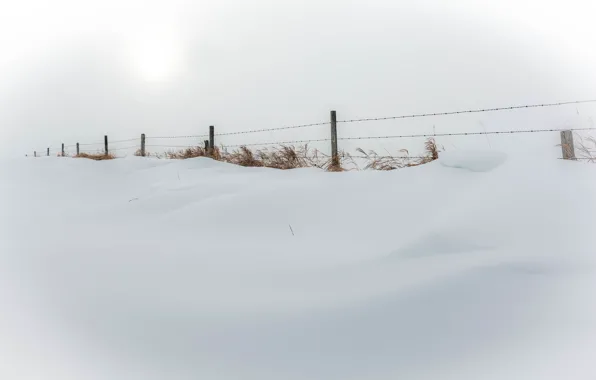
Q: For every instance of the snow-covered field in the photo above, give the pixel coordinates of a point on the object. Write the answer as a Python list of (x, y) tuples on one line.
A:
[(478, 266)]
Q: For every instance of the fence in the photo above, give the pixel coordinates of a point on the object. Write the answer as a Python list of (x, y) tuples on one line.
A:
[(208, 140)]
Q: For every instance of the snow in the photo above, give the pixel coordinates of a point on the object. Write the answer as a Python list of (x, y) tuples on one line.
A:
[(479, 265), (476, 161)]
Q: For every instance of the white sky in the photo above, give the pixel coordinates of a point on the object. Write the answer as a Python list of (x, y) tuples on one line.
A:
[(76, 70)]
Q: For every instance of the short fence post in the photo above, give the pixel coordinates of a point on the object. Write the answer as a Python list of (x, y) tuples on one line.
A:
[(334, 154), (48, 152), (143, 145), (78, 150), (105, 141), (34, 154), (62, 149), (567, 145), (211, 140), (206, 146)]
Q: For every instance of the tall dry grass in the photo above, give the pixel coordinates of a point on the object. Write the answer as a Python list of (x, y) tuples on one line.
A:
[(376, 161), (586, 146), (96, 156), (286, 157)]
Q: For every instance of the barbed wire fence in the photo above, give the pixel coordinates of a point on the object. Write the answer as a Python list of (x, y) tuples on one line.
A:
[(138, 145)]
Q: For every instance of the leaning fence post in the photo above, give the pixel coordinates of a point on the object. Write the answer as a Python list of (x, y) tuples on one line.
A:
[(78, 150), (567, 145), (62, 149), (211, 140), (334, 154), (105, 141), (143, 145)]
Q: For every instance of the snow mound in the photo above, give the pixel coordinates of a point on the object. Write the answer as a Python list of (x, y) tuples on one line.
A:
[(437, 244), (178, 270), (475, 161)]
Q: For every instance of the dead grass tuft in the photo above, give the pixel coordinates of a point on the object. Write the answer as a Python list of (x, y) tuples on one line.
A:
[(586, 146), (403, 160), (186, 153), (243, 157), (96, 156)]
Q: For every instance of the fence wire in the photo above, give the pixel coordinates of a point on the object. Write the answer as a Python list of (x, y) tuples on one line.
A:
[(123, 141), (273, 129), (42, 152), (277, 143), (480, 110), (464, 134), (128, 147), (175, 137)]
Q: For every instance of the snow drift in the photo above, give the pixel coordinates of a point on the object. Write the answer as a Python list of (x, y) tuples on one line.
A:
[(475, 266)]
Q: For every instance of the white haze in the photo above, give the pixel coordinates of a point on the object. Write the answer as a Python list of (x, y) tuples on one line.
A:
[(73, 71)]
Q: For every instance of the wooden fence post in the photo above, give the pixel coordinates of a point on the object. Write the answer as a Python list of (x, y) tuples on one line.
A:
[(206, 146), (48, 152), (78, 150), (34, 153), (211, 139), (62, 149), (143, 145), (334, 154), (567, 145), (105, 141)]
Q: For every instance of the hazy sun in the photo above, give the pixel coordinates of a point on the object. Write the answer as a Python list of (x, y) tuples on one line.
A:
[(157, 59)]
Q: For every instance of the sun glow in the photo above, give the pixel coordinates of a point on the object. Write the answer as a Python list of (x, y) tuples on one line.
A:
[(157, 59)]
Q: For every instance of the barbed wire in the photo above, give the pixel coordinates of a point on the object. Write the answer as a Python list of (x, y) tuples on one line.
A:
[(509, 108), (172, 146), (41, 151), (123, 141), (124, 148), (175, 137), (273, 129), (372, 156), (278, 143), (464, 134), (89, 144)]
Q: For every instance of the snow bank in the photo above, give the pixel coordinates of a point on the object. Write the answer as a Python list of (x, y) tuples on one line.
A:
[(476, 161), (148, 269)]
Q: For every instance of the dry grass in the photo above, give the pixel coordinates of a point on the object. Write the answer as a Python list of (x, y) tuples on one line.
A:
[(186, 153), (586, 146), (286, 157), (282, 157), (403, 160), (96, 156)]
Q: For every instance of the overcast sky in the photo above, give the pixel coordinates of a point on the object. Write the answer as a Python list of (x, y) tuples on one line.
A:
[(76, 70)]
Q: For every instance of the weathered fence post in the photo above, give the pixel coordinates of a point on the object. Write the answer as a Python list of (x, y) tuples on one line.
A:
[(143, 145), (211, 140), (34, 154), (206, 146), (567, 145), (78, 150), (62, 149), (48, 152), (334, 154), (105, 141)]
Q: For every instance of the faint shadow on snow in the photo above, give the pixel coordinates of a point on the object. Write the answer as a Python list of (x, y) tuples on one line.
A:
[(436, 244), (415, 331), (475, 161)]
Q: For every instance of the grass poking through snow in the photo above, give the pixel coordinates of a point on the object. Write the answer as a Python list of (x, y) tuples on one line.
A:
[(286, 157), (96, 156)]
